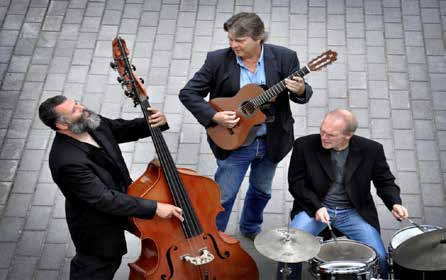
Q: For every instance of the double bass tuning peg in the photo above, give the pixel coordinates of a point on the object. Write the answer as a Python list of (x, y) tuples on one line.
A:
[(113, 65), (120, 79)]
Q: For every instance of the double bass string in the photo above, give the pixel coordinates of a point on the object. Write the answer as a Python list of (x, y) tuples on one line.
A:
[(191, 226)]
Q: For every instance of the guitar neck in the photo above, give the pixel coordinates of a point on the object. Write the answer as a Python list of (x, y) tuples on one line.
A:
[(278, 88)]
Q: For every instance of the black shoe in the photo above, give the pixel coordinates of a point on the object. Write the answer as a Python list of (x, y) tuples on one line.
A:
[(251, 235)]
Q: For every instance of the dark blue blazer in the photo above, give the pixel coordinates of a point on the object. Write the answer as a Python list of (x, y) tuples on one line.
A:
[(95, 186), (220, 77)]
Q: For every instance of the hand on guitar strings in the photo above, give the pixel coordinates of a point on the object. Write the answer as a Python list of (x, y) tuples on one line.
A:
[(296, 85), (166, 211), (227, 119), (157, 118)]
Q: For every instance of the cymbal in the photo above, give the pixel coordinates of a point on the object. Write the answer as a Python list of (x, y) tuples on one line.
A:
[(287, 245), (424, 252)]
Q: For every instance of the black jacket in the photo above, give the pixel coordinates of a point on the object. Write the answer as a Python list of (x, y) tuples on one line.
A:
[(95, 186), (311, 174), (220, 76)]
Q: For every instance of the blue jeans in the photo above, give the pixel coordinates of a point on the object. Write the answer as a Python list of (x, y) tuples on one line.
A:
[(229, 177), (350, 223)]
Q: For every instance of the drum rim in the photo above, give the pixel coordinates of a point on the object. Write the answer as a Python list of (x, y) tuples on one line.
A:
[(362, 267)]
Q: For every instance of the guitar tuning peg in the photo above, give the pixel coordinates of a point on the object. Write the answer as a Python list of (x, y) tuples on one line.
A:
[(133, 67), (120, 79), (113, 65), (142, 80), (127, 93)]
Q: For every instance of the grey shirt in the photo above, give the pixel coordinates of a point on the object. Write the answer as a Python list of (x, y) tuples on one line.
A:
[(337, 196)]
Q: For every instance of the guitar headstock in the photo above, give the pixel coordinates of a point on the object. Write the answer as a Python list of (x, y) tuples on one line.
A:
[(322, 60), (128, 79)]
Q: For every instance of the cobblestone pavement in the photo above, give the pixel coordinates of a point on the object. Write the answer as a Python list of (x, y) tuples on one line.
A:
[(391, 71)]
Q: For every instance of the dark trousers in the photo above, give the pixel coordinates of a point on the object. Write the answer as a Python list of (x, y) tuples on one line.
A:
[(84, 267)]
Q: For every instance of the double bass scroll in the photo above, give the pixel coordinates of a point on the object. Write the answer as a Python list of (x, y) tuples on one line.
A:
[(170, 249)]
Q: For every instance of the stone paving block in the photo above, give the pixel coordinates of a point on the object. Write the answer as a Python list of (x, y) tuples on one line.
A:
[(435, 216), (52, 256), (415, 54), (42, 56), (13, 81), (404, 139), (375, 38), (421, 109), (12, 149), (405, 160), (18, 205), (86, 40), (10, 228), (433, 194), (362, 116), (25, 182), (59, 208), (47, 275), (436, 64), (413, 39), (399, 99), (52, 23), (31, 160), (5, 188), (38, 139), (398, 81), (434, 47), (379, 108), (402, 119), (38, 73), (440, 120), (413, 203), (25, 46), (5, 54), (91, 24), (334, 103), (23, 268), (7, 255), (69, 32), (74, 16), (8, 37), (437, 81), (25, 109), (426, 150), (13, 22), (429, 171), (188, 153), (31, 243), (418, 72), (408, 182), (58, 231), (381, 128), (8, 169), (45, 194), (38, 218)]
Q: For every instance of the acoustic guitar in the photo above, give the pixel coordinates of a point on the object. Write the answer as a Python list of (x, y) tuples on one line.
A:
[(248, 101)]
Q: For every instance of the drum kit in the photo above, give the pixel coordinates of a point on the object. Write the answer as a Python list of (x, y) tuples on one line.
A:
[(415, 252)]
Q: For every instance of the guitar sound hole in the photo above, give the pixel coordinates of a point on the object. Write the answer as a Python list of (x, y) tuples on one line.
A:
[(247, 108)]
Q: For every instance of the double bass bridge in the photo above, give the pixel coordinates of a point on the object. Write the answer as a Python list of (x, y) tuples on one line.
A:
[(205, 258)]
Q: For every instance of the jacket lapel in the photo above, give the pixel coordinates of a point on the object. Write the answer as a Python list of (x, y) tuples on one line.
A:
[(324, 158), (233, 72), (354, 158), (272, 71)]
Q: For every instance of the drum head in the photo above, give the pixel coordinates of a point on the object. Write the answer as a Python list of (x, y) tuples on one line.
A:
[(342, 267), (405, 233), (345, 250)]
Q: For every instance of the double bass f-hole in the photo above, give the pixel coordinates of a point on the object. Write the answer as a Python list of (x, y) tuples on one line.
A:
[(170, 249)]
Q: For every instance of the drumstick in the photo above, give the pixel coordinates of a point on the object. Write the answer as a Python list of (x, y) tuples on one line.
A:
[(332, 233), (416, 225)]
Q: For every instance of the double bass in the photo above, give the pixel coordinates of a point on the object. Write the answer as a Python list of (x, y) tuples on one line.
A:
[(171, 249)]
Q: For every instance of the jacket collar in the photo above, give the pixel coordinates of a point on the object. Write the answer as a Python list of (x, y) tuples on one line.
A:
[(354, 159), (272, 71)]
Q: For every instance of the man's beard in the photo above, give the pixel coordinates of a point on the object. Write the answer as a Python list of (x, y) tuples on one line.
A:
[(85, 123)]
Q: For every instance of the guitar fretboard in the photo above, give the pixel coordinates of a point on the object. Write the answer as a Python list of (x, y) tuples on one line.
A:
[(277, 88)]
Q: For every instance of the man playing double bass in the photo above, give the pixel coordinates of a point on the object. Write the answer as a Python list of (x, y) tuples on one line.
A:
[(248, 60), (87, 165)]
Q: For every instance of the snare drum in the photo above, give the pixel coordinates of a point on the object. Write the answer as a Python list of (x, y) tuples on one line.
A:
[(348, 259)]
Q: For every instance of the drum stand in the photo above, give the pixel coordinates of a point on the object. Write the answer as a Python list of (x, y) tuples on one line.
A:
[(285, 271)]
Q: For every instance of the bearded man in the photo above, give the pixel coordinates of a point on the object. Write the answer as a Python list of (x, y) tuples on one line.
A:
[(87, 165)]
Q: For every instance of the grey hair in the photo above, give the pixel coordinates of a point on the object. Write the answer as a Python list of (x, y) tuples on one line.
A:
[(351, 123), (246, 24)]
